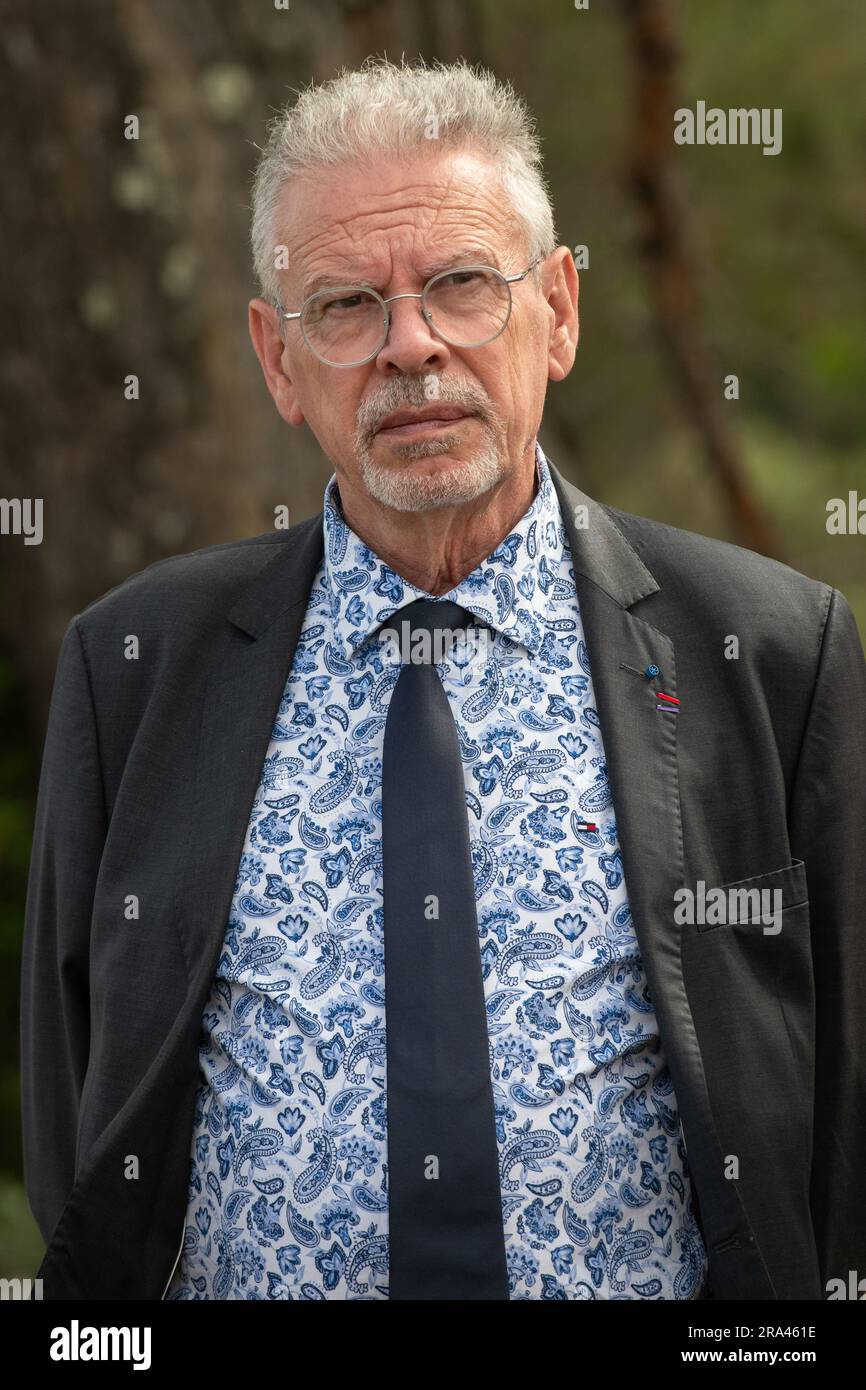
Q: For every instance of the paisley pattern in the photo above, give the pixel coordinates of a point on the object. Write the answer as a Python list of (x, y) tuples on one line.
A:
[(288, 1175)]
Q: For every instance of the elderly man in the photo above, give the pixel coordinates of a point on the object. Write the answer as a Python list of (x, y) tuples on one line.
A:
[(458, 895)]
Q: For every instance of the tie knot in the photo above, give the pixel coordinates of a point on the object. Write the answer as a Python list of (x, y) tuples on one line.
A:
[(424, 630)]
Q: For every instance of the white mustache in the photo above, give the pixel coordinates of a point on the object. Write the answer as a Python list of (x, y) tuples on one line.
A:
[(372, 412)]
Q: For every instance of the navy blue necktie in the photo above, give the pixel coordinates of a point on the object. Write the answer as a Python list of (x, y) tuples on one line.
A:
[(446, 1238)]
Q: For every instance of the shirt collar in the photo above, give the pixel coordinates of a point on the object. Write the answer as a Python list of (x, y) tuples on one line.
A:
[(512, 591)]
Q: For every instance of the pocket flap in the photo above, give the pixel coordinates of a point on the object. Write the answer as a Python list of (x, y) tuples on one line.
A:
[(790, 881)]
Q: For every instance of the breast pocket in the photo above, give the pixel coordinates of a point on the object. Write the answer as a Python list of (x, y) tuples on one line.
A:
[(757, 903)]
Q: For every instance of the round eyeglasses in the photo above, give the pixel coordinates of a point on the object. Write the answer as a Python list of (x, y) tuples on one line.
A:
[(348, 325)]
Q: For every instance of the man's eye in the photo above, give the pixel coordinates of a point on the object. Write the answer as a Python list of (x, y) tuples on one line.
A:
[(455, 278), (347, 303)]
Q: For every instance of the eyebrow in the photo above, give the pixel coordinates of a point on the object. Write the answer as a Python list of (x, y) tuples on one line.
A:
[(467, 255)]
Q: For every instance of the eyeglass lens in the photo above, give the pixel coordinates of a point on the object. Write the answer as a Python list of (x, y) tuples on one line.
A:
[(467, 307)]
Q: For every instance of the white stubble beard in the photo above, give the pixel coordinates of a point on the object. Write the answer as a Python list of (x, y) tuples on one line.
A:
[(404, 490)]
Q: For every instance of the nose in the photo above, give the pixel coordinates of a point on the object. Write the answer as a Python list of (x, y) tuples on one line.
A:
[(411, 344)]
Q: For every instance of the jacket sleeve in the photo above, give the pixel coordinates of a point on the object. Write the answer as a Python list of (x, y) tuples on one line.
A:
[(828, 832), (68, 837)]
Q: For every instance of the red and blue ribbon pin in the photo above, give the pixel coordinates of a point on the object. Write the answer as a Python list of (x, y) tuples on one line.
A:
[(671, 703)]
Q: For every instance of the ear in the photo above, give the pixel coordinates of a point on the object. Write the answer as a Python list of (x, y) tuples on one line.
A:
[(562, 299), (264, 323)]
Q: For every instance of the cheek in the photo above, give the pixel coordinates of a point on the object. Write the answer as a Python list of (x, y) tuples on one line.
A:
[(534, 348), (524, 348), (331, 404), (338, 418), (513, 377), (535, 337)]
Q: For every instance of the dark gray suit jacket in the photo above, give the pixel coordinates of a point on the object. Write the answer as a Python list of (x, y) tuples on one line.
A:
[(149, 773)]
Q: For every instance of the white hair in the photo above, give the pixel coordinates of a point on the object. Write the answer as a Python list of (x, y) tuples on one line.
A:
[(382, 109)]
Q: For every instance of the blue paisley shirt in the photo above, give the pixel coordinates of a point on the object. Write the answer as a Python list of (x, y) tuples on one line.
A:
[(288, 1195)]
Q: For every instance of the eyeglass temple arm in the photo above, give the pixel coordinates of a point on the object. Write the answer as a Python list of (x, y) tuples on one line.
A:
[(510, 279)]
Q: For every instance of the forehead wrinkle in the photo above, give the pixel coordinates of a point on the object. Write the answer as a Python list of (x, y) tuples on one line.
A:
[(443, 216), (447, 245), (429, 266)]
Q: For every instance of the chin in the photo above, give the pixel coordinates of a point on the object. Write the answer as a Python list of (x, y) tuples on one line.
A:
[(413, 485)]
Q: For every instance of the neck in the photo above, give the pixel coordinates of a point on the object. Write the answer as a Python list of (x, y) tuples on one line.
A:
[(436, 549)]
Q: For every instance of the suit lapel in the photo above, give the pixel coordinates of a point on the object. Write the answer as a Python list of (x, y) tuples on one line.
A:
[(640, 745), (244, 685)]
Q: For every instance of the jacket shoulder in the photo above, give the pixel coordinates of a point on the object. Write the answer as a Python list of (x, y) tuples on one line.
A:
[(715, 581), (187, 588)]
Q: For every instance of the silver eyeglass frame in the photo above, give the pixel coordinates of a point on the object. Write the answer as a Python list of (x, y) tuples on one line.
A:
[(508, 280)]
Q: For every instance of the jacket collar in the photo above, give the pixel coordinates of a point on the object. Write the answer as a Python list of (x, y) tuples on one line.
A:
[(600, 553)]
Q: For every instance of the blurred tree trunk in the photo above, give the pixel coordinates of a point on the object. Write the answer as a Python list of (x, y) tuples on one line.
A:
[(130, 257), (656, 185)]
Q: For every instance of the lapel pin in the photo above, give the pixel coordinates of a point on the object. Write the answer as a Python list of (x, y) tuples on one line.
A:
[(671, 702), (649, 671)]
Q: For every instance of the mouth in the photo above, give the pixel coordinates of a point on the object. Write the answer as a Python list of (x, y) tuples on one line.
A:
[(412, 424)]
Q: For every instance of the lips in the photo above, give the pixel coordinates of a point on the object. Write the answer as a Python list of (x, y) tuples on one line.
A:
[(438, 411)]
